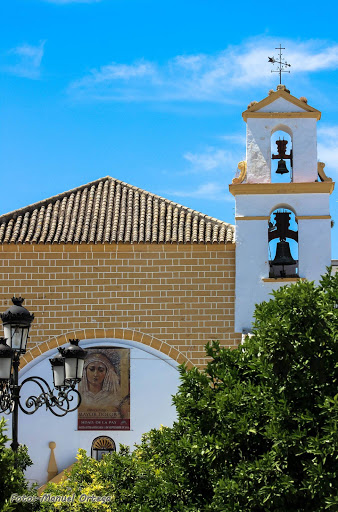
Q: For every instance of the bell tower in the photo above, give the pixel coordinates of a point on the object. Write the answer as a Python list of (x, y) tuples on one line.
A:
[(283, 222)]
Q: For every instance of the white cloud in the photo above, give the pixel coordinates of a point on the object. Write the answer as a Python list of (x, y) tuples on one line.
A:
[(117, 81), (210, 160), (107, 74), (189, 62), (235, 138), (221, 163), (208, 191), (325, 59), (25, 60), (201, 77), (221, 158), (328, 148)]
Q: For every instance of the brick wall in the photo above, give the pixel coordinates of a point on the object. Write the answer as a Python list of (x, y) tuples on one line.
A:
[(180, 294)]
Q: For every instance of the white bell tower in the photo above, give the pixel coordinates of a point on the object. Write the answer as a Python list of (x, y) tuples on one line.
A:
[(305, 223)]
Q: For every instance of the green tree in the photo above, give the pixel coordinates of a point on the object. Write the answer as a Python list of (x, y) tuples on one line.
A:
[(256, 429), (12, 479)]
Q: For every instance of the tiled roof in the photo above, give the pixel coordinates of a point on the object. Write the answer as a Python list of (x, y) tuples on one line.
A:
[(107, 211)]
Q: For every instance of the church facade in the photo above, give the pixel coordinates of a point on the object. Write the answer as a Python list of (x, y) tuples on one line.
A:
[(144, 283)]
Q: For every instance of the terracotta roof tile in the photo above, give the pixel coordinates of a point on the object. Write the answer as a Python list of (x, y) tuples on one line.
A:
[(108, 211)]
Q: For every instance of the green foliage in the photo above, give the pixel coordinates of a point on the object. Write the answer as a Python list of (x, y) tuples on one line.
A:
[(130, 482), (12, 480), (256, 430)]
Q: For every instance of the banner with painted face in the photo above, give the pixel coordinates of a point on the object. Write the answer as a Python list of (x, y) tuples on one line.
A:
[(105, 390)]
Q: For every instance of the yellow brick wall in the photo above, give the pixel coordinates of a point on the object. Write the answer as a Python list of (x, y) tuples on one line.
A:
[(179, 294)]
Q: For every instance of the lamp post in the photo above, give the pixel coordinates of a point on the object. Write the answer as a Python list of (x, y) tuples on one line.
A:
[(67, 370)]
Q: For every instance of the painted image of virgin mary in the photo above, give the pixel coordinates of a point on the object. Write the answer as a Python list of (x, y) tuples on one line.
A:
[(100, 385)]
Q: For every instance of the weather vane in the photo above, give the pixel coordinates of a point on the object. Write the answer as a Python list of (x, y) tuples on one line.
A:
[(282, 64)]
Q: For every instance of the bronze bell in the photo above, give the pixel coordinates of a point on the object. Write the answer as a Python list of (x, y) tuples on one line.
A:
[(282, 169), (283, 254)]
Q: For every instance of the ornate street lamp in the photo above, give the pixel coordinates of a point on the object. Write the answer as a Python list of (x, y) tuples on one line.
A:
[(74, 361), (17, 321), (6, 358), (67, 371), (58, 367)]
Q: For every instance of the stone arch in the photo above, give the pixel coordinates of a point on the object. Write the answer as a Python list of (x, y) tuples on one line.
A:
[(286, 206), (122, 334), (283, 128)]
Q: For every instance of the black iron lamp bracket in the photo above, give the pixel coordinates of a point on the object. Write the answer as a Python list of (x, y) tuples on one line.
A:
[(59, 402)]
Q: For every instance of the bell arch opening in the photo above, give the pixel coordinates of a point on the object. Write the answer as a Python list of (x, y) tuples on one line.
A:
[(282, 207), (283, 244), (281, 154)]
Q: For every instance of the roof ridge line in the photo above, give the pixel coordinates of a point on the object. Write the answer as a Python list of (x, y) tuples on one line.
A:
[(169, 201), (28, 208), (33, 206)]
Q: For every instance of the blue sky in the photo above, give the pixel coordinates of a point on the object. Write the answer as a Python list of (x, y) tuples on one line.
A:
[(152, 93)]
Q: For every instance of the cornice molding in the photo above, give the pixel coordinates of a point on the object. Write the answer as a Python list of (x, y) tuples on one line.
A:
[(307, 109), (253, 217), (281, 115), (282, 279), (311, 217), (325, 187)]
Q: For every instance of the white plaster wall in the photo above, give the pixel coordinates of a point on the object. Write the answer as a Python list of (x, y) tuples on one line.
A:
[(304, 144), (314, 250), (154, 378), (258, 153), (304, 147), (281, 105), (251, 265), (314, 247), (264, 204)]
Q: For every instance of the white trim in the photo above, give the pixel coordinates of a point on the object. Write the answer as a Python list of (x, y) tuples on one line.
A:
[(113, 342)]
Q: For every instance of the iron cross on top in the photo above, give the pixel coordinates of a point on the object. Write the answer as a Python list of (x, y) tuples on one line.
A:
[(282, 64)]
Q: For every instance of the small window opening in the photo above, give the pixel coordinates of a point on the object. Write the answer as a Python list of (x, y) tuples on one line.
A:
[(101, 446), (283, 244), (281, 158)]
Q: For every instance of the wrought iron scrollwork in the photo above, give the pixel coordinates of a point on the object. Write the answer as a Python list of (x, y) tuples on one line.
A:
[(58, 401), (6, 402)]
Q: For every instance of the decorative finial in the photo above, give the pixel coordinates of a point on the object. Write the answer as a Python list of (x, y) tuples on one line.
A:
[(74, 342), (17, 301), (282, 64)]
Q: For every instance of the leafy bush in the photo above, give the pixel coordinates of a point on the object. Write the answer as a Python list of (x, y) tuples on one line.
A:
[(12, 479), (256, 429)]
